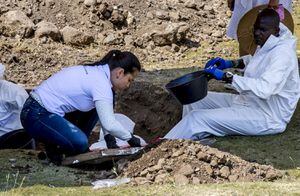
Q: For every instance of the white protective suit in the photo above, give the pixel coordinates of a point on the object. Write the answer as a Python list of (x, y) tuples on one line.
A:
[(268, 95), (241, 7), (12, 98)]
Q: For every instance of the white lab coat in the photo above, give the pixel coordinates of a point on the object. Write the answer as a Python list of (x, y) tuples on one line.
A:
[(241, 7), (12, 98), (268, 95)]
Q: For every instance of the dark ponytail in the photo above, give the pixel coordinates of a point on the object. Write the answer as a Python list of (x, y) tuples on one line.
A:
[(116, 58)]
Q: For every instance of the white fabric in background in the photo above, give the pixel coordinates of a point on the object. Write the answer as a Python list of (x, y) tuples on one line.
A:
[(268, 95), (12, 99), (241, 7), (127, 124), (2, 69)]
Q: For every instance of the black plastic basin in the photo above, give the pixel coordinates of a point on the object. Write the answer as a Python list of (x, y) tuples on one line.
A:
[(189, 88)]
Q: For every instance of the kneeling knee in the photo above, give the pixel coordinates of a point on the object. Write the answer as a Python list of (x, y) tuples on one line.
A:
[(81, 145)]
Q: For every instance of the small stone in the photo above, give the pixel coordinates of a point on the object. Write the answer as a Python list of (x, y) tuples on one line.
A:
[(130, 18), (224, 172), (160, 178), (140, 180), (180, 179), (209, 170), (168, 168), (272, 175), (175, 16), (216, 172), (73, 36), (233, 178), (44, 40), (175, 48), (162, 15), (47, 29), (155, 168), (150, 176), (161, 161), (150, 15), (202, 156), (186, 170), (195, 180), (177, 153), (50, 3), (190, 4), (89, 2), (164, 149), (113, 39), (144, 172), (218, 34), (128, 39), (214, 163)]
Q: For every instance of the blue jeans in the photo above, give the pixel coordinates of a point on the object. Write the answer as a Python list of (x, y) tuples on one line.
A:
[(67, 135)]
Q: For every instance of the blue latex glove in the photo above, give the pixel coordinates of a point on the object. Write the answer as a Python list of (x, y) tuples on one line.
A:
[(215, 72), (220, 63)]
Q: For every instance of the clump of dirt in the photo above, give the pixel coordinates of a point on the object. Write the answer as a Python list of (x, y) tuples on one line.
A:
[(189, 162)]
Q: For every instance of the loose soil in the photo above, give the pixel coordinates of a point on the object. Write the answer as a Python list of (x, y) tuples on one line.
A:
[(185, 162)]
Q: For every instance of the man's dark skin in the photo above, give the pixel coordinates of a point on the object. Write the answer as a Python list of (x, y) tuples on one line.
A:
[(266, 24)]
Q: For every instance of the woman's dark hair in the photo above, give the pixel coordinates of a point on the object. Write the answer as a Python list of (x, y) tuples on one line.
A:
[(116, 58)]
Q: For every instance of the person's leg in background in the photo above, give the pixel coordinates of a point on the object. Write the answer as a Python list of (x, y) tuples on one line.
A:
[(17, 139), (236, 120), (213, 100)]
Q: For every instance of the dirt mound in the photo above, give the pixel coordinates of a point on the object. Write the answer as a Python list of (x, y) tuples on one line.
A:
[(40, 37), (185, 162)]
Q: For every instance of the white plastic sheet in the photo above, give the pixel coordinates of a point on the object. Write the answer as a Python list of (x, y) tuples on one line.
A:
[(109, 182), (127, 123)]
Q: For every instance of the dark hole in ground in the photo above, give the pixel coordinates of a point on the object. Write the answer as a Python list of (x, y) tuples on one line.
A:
[(151, 107)]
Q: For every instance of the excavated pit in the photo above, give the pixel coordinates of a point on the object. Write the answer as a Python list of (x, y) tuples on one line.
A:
[(150, 106)]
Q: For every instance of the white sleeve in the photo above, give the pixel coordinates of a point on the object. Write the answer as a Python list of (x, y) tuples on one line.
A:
[(270, 82), (108, 121), (246, 59), (2, 69)]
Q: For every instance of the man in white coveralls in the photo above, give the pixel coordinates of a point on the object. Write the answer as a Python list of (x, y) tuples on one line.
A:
[(268, 91)]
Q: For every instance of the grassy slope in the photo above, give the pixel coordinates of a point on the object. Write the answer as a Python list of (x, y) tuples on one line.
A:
[(259, 188)]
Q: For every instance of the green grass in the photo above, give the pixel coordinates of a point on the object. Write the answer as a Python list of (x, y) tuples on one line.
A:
[(282, 151), (258, 188)]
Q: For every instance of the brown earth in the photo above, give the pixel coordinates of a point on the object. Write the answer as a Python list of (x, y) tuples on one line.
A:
[(188, 162), (29, 60)]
